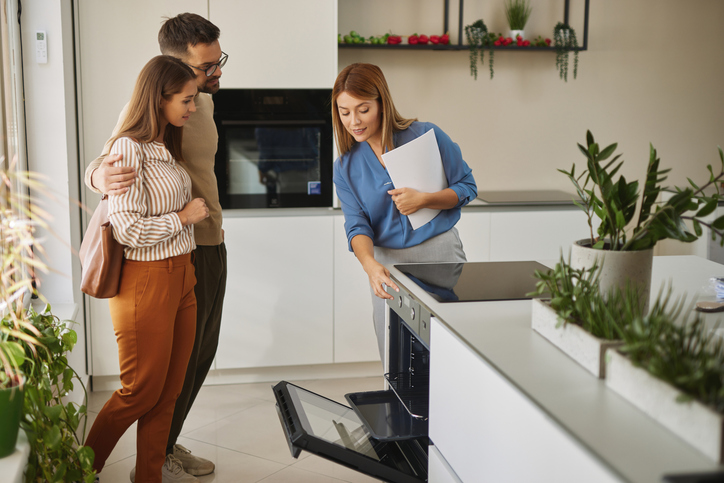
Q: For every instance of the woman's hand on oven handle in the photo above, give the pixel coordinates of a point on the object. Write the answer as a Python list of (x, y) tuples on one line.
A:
[(378, 275), (194, 211)]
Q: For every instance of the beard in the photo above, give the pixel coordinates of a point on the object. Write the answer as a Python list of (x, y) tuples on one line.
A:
[(210, 89)]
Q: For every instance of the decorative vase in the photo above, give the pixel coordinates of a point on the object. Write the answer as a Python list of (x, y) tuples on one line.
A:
[(514, 34), (587, 350), (11, 405), (695, 423), (617, 269)]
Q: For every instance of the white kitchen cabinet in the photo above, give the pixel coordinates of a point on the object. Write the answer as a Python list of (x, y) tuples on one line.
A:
[(104, 350), (354, 334), (278, 305), (535, 234), (277, 43), (474, 230), (483, 426)]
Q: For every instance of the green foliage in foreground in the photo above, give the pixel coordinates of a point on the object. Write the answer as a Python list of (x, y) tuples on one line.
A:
[(686, 354), (575, 297), (669, 342), (55, 428)]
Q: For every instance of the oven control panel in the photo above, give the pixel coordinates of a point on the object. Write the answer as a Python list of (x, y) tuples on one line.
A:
[(412, 313)]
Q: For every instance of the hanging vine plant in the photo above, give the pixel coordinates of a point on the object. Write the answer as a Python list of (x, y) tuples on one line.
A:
[(564, 39), (479, 38)]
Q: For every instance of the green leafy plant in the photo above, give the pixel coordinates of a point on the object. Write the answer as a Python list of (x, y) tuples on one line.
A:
[(55, 428), (565, 41), (614, 203), (685, 354), (576, 298), (517, 12), (478, 39), (33, 346)]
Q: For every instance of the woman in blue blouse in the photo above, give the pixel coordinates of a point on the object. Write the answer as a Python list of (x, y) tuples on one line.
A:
[(366, 125)]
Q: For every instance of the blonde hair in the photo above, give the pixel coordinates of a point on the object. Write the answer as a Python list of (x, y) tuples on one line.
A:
[(161, 78), (366, 82)]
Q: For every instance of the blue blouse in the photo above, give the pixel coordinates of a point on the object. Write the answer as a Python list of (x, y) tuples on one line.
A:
[(362, 184)]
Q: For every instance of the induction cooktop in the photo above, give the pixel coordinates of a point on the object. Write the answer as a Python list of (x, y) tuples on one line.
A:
[(474, 281)]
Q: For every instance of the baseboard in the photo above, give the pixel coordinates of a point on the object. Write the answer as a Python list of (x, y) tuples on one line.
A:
[(268, 374)]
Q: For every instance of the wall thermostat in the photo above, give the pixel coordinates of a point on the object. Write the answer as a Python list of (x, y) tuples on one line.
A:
[(41, 47)]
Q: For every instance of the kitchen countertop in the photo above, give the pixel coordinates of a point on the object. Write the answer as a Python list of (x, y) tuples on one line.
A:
[(500, 201), (623, 438)]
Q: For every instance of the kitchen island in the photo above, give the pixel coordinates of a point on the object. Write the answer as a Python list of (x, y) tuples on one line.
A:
[(506, 405)]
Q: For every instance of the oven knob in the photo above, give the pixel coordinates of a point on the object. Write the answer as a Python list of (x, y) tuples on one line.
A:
[(412, 313), (399, 302)]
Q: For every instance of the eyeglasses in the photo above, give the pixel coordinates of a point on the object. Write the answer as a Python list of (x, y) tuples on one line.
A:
[(209, 71)]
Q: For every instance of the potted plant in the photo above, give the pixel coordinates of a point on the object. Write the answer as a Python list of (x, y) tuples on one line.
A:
[(625, 247), (33, 348), (577, 317), (564, 40), (671, 366), (517, 12), (672, 369), (478, 39)]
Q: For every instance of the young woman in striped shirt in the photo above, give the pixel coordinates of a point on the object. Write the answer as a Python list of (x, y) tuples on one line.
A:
[(154, 313)]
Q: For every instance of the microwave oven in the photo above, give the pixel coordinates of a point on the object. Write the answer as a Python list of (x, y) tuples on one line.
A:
[(275, 148)]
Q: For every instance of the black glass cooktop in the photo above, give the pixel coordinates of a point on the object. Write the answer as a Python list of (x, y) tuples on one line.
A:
[(474, 281)]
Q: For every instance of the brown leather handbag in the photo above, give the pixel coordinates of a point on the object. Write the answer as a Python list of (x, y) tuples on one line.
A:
[(101, 256)]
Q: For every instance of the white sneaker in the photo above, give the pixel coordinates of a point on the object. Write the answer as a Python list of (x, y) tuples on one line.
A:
[(172, 472), (193, 465)]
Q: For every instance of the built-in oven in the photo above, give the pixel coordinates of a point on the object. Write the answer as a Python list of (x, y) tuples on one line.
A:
[(275, 148), (384, 433)]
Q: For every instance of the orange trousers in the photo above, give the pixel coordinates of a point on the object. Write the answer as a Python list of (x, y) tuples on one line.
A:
[(154, 318)]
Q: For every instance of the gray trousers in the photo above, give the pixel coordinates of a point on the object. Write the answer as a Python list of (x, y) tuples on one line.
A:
[(445, 247), (210, 265)]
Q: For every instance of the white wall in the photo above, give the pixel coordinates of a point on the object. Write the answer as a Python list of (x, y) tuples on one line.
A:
[(52, 150), (653, 73)]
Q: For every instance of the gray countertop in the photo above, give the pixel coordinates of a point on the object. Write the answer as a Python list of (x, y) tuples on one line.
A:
[(637, 448)]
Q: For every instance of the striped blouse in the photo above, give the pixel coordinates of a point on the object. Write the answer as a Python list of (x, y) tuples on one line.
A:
[(144, 218)]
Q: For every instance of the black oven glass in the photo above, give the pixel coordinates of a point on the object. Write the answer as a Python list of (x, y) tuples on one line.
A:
[(334, 431), (275, 148), (271, 160)]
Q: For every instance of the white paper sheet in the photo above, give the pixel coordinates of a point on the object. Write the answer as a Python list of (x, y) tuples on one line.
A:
[(418, 165)]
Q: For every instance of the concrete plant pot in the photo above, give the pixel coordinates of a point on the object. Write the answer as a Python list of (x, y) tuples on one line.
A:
[(617, 269), (695, 423), (576, 343)]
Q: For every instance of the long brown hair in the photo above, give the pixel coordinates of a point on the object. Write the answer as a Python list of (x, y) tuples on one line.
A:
[(366, 82), (161, 78)]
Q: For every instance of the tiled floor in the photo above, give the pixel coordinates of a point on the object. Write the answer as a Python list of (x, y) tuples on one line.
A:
[(236, 427)]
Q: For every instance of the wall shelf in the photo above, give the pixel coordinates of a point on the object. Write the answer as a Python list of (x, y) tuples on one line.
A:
[(462, 46)]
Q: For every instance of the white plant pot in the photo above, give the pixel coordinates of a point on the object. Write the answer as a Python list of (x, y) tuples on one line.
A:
[(576, 343), (692, 421), (618, 269), (513, 34)]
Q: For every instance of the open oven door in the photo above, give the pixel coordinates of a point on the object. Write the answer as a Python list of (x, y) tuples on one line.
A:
[(334, 431)]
